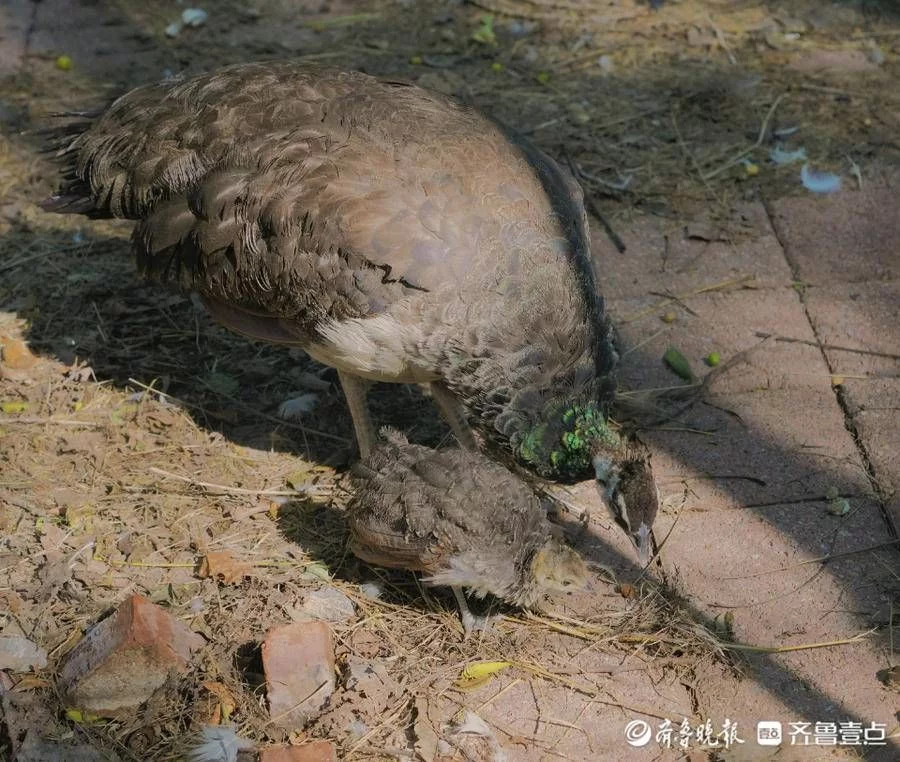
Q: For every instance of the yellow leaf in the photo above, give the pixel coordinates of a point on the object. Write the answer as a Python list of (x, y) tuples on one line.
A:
[(477, 674), (82, 718), (14, 407)]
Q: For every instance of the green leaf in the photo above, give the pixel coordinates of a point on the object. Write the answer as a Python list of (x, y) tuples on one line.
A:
[(485, 33), (678, 363), (222, 383)]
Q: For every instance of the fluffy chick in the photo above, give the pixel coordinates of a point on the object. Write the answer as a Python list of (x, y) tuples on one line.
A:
[(462, 520)]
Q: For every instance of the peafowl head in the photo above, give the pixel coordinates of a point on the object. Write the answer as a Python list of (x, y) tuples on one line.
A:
[(573, 442), (557, 568)]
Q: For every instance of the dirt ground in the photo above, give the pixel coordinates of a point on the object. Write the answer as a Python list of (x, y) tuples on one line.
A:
[(141, 437)]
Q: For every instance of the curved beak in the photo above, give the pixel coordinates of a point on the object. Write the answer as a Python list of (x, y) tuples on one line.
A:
[(642, 544)]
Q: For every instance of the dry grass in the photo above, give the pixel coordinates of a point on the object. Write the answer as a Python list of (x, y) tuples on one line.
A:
[(146, 438)]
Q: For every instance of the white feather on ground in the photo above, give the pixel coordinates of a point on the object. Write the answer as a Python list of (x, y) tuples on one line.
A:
[(219, 743), (472, 724), (295, 408)]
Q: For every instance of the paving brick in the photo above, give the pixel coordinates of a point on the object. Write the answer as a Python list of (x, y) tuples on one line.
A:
[(57, 14), (847, 237), (861, 316), (123, 659), (726, 323), (763, 448), (95, 53), (866, 317), (317, 751), (15, 21), (298, 660), (662, 256), (737, 547), (880, 435)]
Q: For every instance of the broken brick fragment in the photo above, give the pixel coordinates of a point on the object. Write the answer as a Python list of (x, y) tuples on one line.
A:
[(317, 751), (298, 660), (123, 659)]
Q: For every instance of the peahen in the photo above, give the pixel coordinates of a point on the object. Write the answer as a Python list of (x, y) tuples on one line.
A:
[(390, 232), (463, 520)]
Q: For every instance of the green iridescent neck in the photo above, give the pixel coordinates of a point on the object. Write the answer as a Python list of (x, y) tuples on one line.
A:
[(562, 445)]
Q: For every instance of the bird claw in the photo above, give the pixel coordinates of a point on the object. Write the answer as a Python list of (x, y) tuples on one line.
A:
[(470, 622)]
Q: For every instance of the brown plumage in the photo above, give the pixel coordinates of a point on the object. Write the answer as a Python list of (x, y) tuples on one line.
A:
[(390, 231), (461, 520)]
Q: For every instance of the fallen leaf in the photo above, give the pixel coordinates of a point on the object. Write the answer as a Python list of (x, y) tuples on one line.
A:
[(426, 738), (890, 676), (485, 33), (222, 383), (226, 701), (16, 353), (82, 718), (478, 673), (14, 407), (626, 590), (317, 570), (678, 363), (31, 683), (223, 566)]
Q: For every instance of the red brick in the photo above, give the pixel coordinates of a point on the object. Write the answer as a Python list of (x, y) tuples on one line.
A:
[(122, 660), (298, 660), (317, 751)]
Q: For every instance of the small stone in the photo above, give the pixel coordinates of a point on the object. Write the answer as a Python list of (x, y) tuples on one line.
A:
[(317, 751), (326, 603), (38, 749), (123, 659), (833, 62), (298, 660), (19, 654), (518, 28), (194, 17)]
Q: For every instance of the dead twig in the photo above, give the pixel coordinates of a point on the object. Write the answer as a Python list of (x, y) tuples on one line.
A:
[(763, 130), (832, 347), (226, 490), (687, 295)]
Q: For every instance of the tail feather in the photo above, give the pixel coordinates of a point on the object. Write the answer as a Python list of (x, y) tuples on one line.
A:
[(60, 142)]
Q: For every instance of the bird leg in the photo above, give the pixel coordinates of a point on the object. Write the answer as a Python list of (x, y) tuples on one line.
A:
[(452, 412), (355, 389), (470, 622)]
